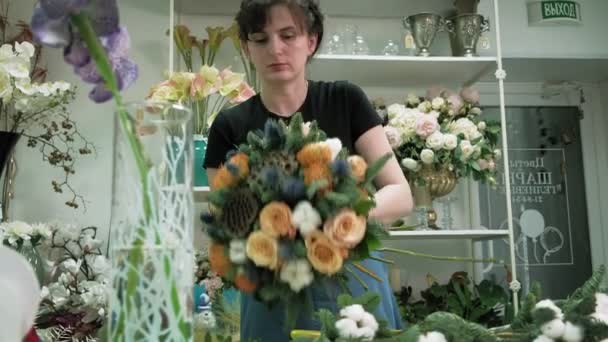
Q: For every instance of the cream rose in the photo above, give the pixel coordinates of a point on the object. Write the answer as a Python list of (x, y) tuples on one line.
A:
[(450, 142), (435, 141), (263, 250), (427, 156), (323, 255), (346, 229)]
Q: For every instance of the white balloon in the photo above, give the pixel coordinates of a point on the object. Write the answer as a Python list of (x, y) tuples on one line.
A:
[(532, 223), (19, 295)]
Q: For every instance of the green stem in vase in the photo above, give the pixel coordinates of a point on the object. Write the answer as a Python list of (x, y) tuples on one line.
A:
[(136, 253)]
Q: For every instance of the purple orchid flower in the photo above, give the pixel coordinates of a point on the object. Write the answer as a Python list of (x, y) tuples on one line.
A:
[(52, 27)]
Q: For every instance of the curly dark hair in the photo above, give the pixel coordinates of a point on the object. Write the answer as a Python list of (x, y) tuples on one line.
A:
[(252, 16)]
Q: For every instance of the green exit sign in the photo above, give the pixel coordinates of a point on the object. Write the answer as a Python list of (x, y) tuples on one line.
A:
[(559, 9), (554, 12)]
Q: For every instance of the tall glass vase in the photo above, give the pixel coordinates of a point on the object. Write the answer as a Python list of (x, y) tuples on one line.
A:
[(151, 240)]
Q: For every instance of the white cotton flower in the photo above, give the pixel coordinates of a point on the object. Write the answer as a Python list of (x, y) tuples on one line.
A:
[(572, 333), (437, 103), (71, 265), (409, 164), (369, 321), (306, 128), (435, 141), (548, 303), (305, 218), (58, 293), (99, 265), (365, 333), (354, 312), (346, 327), (237, 251), (6, 52), (553, 329), (41, 229), (89, 243), (543, 338), (433, 336), (450, 141), (481, 125), (335, 145), (297, 273), (601, 303), (427, 156), (600, 317), (395, 110)]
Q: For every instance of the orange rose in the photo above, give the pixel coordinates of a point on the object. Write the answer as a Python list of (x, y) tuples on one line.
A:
[(220, 263), (345, 229), (263, 249), (323, 255), (223, 179), (314, 153), (275, 220), (244, 284), (358, 167), (241, 161), (315, 172)]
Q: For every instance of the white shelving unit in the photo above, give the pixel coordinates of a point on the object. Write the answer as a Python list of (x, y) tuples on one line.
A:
[(403, 71)]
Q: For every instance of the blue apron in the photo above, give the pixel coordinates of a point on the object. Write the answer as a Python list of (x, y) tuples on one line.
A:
[(261, 324)]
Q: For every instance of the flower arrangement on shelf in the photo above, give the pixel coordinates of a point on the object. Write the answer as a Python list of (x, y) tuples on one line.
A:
[(288, 207), (583, 316), (74, 303), (207, 92), (444, 131), (38, 112)]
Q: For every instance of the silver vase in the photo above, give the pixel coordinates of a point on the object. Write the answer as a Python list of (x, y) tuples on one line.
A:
[(424, 27), (465, 30)]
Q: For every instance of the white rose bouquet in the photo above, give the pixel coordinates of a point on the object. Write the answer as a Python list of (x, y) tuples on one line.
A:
[(444, 130)]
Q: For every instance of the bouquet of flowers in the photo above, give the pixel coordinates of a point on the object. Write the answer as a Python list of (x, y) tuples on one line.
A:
[(74, 304), (207, 92), (446, 131), (288, 207)]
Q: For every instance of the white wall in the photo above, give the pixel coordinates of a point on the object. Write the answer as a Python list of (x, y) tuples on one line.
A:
[(34, 199)]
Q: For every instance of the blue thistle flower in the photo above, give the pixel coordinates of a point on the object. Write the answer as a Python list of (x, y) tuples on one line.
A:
[(293, 190), (233, 169), (270, 176), (273, 134), (207, 217), (340, 168)]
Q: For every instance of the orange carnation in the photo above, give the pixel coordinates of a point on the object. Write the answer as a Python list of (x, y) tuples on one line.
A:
[(275, 220), (241, 161), (223, 179), (314, 153), (244, 284), (346, 229), (263, 250), (358, 167), (317, 172), (220, 263), (323, 255)]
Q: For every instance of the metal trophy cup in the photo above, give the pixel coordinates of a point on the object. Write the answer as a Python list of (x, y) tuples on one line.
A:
[(465, 30), (424, 27)]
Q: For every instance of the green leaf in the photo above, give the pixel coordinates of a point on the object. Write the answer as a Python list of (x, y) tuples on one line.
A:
[(363, 207), (369, 301), (337, 199), (314, 187), (328, 321), (455, 305), (208, 337), (345, 300), (375, 167)]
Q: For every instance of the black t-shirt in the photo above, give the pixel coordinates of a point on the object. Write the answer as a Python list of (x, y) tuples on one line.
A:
[(340, 108)]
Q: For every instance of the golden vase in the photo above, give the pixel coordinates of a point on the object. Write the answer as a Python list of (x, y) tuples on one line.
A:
[(438, 182)]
